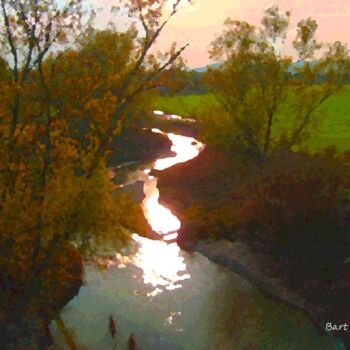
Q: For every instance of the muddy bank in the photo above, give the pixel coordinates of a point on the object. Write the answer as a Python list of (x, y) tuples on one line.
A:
[(199, 192), (196, 180), (238, 257), (200, 188)]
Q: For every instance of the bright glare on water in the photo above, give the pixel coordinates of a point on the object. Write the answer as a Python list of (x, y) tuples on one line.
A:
[(174, 300), (161, 264), (160, 218)]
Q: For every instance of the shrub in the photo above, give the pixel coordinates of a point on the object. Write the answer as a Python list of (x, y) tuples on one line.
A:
[(297, 207)]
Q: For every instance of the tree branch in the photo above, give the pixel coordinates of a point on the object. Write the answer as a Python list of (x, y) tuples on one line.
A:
[(31, 38), (307, 118), (10, 40), (148, 44)]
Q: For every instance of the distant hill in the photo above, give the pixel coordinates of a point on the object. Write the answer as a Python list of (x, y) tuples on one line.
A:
[(195, 84), (292, 68), (300, 64), (205, 68)]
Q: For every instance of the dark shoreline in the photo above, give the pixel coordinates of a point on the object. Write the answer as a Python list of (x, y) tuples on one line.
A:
[(138, 145), (174, 193)]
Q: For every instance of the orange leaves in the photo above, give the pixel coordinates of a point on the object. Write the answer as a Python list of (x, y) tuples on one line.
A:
[(58, 114), (118, 128), (25, 134)]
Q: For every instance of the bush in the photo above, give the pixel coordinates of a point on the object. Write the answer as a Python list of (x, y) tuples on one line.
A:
[(297, 208)]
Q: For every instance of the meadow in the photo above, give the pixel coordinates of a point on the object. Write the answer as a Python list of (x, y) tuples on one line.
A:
[(333, 126)]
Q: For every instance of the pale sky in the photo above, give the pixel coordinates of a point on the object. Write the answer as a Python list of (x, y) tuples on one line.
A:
[(199, 24)]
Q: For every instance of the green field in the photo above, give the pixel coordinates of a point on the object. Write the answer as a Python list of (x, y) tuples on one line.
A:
[(185, 106), (333, 127)]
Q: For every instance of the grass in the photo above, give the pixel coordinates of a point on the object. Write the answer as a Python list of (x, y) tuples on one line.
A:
[(184, 105), (333, 128)]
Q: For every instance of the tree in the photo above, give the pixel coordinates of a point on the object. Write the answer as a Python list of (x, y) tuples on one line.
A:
[(275, 26), (69, 90), (265, 98), (302, 229), (29, 29), (145, 68), (305, 42)]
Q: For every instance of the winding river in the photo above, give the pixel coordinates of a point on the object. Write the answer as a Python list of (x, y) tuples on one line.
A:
[(172, 299)]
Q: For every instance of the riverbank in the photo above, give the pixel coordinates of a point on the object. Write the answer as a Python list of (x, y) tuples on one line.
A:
[(139, 146), (200, 193), (25, 325), (196, 302), (238, 257)]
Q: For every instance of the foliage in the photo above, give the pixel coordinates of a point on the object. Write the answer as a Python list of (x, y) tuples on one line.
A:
[(70, 89), (298, 208), (256, 85), (220, 221), (332, 129), (183, 82)]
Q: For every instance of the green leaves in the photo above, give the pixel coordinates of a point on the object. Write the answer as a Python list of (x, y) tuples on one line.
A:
[(266, 99), (305, 42)]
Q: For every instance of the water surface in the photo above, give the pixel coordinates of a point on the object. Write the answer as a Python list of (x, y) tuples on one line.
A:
[(172, 299)]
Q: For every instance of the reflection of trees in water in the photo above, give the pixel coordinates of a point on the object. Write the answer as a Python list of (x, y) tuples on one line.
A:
[(246, 319), (71, 343), (234, 321), (68, 334)]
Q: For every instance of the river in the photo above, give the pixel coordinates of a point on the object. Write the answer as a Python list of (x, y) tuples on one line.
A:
[(172, 299)]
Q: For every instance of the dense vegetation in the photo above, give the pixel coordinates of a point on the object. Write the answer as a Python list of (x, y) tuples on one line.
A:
[(68, 92), (275, 170), (74, 97)]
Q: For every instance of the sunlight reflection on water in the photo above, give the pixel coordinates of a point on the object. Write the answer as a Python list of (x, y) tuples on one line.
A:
[(160, 218), (213, 309), (186, 148), (161, 264)]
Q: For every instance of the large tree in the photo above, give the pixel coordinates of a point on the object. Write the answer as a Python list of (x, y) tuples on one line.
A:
[(265, 97), (68, 89)]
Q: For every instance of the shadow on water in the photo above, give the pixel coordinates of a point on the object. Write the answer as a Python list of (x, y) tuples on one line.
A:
[(174, 300)]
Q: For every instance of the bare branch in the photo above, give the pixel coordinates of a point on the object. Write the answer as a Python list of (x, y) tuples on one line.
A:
[(148, 44), (306, 119), (145, 27), (141, 87), (31, 37), (10, 40)]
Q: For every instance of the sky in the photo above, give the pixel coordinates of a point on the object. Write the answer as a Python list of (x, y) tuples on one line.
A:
[(200, 23)]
